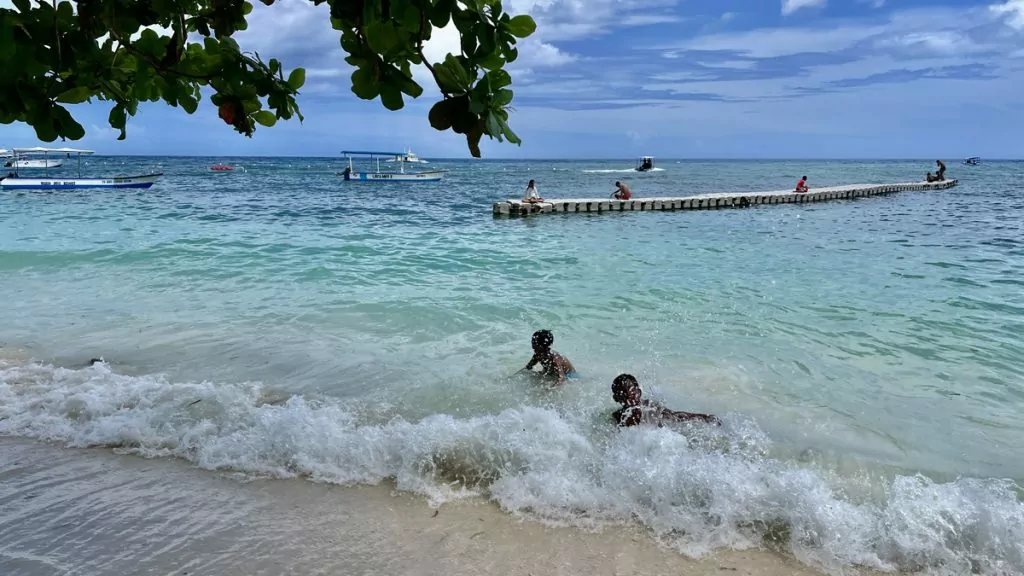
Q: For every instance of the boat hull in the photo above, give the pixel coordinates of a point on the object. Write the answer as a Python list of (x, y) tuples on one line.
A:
[(18, 183), (22, 163), (393, 177)]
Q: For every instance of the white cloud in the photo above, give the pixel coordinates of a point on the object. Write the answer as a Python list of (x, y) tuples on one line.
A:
[(1012, 11), (790, 6)]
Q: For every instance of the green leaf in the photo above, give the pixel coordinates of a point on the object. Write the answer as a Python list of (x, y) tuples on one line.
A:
[(521, 26), (68, 126), (265, 118), (391, 97), (364, 85), (493, 125), (499, 79), (45, 130), (296, 79), (75, 95), (188, 103), (441, 115), (452, 77), (510, 135), (502, 97), (117, 119)]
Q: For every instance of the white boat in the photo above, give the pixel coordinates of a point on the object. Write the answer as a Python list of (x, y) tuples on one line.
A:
[(351, 174), (972, 161), (14, 181), (12, 160), (409, 158), (646, 164)]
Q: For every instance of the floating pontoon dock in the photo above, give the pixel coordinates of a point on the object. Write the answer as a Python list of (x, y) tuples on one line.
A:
[(712, 201)]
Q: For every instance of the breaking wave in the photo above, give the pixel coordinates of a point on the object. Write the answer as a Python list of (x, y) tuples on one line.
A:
[(696, 489)]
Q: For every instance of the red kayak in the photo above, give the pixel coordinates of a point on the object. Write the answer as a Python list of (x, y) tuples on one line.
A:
[(221, 168)]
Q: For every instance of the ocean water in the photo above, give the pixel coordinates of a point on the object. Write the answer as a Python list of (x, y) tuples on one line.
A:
[(866, 356)]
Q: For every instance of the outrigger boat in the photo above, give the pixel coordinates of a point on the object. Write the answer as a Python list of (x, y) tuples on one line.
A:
[(13, 181), (401, 176)]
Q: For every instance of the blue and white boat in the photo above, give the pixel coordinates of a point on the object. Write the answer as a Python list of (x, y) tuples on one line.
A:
[(14, 181), (351, 174)]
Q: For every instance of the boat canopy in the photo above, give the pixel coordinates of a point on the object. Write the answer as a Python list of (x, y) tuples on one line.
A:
[(363, 153), (41, 150)]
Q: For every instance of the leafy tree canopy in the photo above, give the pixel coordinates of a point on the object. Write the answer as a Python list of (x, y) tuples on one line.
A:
[(54, 53)]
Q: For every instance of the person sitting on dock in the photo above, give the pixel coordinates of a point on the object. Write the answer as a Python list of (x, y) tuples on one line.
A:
[(551, 362), (636, 410), (531, 195), (931, 178), (622, 192), (941, 174), (801, 185)]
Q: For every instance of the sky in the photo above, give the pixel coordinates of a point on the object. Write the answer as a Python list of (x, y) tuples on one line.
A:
[(670, 78)]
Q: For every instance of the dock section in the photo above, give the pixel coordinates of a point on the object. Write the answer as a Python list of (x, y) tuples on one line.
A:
[(513, 208)]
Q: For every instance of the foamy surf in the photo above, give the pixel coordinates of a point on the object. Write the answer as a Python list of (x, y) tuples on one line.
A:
[(621, 171), (698, 490)]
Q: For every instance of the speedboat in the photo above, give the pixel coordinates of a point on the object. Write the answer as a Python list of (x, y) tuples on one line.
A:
[(407, 158), (973, 160), (646, 164)]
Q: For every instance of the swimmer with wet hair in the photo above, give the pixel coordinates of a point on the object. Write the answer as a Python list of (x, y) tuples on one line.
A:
[(636, 410), (551, 362)]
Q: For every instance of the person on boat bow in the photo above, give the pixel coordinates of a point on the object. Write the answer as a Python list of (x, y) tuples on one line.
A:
[(622, 192), (941, 174)]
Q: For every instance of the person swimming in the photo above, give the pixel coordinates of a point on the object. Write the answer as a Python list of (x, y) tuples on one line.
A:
[(636, 410), (552, 363)]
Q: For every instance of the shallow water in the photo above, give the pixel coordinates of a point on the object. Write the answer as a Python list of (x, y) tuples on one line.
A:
[(867, 356)]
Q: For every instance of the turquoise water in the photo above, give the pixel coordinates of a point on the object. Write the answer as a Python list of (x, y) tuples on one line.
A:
[(867, 356)]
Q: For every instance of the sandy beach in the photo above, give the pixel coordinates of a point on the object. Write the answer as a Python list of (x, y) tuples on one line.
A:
[(66, 512)]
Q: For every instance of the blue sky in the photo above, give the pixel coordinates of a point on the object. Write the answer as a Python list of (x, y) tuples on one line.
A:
[(688, 78)]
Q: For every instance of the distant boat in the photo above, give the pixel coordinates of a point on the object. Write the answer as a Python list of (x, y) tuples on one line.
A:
[(20, 161), (222, 168), (646, 164), (408, 158), (973, 160), (14, 181), (351, 174)]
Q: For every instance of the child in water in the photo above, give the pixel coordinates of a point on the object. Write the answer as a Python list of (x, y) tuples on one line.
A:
[(635, 410), (551, 362)]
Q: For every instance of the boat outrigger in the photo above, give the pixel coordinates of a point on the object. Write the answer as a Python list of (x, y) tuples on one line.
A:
[(13, 181), (646, 164), (401, 176)]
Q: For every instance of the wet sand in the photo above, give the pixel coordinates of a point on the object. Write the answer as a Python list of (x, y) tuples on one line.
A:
[(84, 512)]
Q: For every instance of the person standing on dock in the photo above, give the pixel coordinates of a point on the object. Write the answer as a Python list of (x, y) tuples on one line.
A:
[(531, 195), (622, 192), (801, 185), (941, 174)]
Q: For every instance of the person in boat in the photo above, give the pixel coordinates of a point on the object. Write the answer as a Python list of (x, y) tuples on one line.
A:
[(637, 410), (552, 363), (531, 195), (801, 185), (941, 174), (622, 192), (646, 164), (931, 178)]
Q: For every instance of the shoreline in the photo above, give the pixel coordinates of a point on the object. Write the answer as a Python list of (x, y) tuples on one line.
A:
[(66, 510)]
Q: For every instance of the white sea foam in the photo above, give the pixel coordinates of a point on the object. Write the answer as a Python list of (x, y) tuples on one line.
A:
[(696, 489), (619, 171)]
